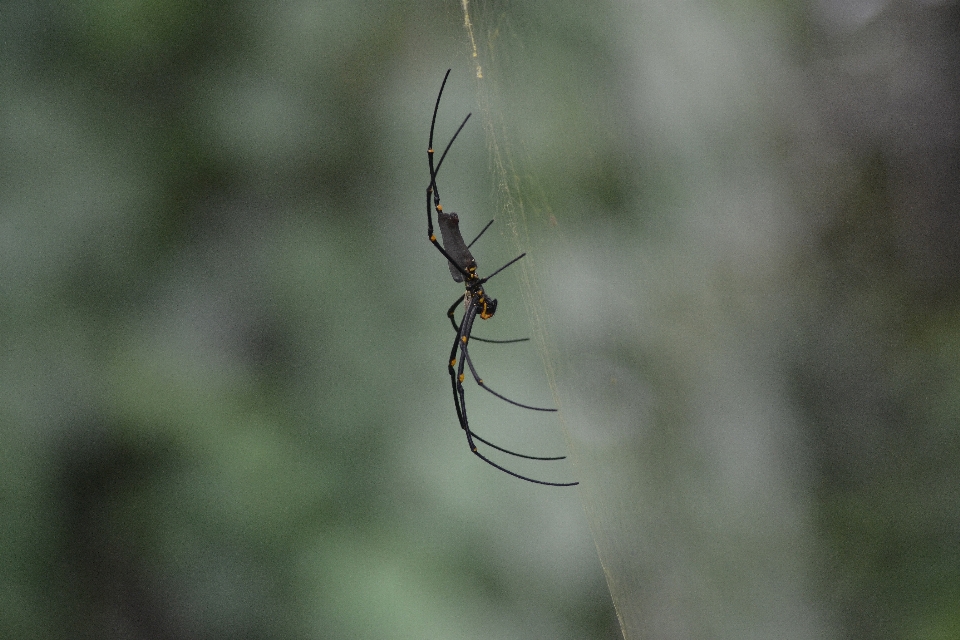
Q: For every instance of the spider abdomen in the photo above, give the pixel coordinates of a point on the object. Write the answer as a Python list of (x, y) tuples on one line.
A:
[(449, 224)]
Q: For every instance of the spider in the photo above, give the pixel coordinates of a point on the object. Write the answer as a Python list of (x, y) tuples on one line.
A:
[(463, 268)]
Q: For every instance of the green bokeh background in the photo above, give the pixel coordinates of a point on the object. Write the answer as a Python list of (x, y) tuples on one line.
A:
[(225, 410)]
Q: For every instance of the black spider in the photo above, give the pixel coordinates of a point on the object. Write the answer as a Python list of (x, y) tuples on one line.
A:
[(463, 268)]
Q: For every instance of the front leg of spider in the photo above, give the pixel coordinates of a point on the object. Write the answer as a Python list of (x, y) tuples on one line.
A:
[(463, 268)]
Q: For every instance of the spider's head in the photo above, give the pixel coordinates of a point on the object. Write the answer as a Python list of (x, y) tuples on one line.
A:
[(488, 307)]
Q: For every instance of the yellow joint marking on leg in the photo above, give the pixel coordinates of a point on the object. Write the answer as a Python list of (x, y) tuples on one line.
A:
[(480, 382), (439, 207), (433, 238), (464, 338), (453, 362), (461, 377), (430, 150)]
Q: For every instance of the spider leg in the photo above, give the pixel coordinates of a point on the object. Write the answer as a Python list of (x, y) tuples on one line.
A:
[(517, 475), (456, 375), (458, 381), (484, 280), (434, 191), (456, 378), (458, 388), (433, 124), (483, 385), (482, 231), (466, 326), (432, 188), (514, 453), (456, 327)]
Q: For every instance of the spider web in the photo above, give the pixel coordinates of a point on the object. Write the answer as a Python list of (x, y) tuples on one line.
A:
[(607, 476), (673, 426)]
